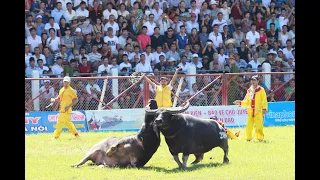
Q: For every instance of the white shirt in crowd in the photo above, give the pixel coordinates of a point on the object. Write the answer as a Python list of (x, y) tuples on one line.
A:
[(34, 42), (178, 26), (199, 65), (95, 86), (115, 27), (102, 68), (128, 66), (42, 69), (157, 56), (156, 14), (150, 27), (254, 65), (287, 52), (184, 67), (26, 58), (54, 43), (196, 11), (106, 13), (112, 42), (57, 70), (220, 23), (70, 15), (149, 58), (80, 12), (282, 21), (146, 67), (190, 25), (55, 26), (46, 95), (216, 40), (41, 57), (77, 2), (252, 37), (222, 58)]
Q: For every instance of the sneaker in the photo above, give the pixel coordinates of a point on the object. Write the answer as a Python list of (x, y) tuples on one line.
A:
[(76, 135)]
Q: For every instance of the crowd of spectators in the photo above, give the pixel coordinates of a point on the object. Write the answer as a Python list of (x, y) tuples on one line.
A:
[(92, 37)]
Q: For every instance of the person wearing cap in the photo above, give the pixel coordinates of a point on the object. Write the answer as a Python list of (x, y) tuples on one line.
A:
[(256, 101), (230, 134), (47, 94), (195, 62), (67, 98), (163, 91), (39, 25), (68, 40)]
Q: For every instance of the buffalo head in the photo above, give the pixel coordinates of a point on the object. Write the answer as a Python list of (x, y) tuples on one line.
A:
[(163, 115)]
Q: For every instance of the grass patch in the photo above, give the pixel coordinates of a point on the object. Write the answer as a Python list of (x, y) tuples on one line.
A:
[(273, 159)]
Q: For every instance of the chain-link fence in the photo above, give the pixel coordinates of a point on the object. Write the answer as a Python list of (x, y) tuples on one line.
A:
[(121, 93)]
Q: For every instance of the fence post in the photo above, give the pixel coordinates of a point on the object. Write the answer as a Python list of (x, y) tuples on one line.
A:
[(224, 90), (191, 79), (146, 93), (115, 86), (266, 67), (35, 86)]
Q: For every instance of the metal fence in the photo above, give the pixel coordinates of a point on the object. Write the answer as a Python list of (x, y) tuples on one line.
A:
[(120, 93)]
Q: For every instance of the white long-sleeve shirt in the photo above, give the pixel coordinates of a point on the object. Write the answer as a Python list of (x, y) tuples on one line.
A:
[(146, 67)]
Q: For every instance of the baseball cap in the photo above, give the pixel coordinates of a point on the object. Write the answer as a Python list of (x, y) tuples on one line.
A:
[(255, 77), (68, 29), (78, 30), (46, 80), (205, 57), (164, 78), (39, 16), (66, 78), (195, 55)]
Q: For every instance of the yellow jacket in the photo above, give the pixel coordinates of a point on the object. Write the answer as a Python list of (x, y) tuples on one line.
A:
[(163, 96), (255, 100), (66, 96)]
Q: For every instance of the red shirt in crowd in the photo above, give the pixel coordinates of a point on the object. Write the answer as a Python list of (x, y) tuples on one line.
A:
[(85, 69)]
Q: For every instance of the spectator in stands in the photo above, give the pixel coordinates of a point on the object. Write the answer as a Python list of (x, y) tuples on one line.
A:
[(95, 57), (205, 63), (216, 38), (63, 25), (48, 56), (284, 18), (253, 36), (156, 39), (68, 41), (57, 68), (290, 91), (82, 13), (199, 99), (112, 41), (162, 64), (39, 26), (84, 66), (53, 42), (37, 56), (86, 27), (33, 40), (95, 12), (74, 25), (226, 34), (41, 67), (273, 20), (277, 91), (173, 52), (104, 66), (288, 50), (114, 25), (31, 67), (150, 59), (125, 63), (45, 14), (109, 11), (94, 90), (195, 62), (63, 54), (43, 44), (239, 36), (283, 37), (264, 50), (158, 53), (171, 65), (58, 13), (240, 63), (246, 22), (47, 94), (254, 62), (87, 43), (260, 23), (70, 68), (70, 12), (143, 66)]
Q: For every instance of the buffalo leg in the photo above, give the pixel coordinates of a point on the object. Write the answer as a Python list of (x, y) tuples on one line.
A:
[(225, 148), (88, 157), (184, 160), (199, 158)]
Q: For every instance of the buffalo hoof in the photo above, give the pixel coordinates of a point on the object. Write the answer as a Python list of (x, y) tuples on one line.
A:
[(183, 167), (75, 166), (226, 161), (101, 166), (131, 166)]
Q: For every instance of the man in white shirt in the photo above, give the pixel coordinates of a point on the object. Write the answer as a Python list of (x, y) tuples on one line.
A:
[(93, 88), (184, 64), (290, 67), (156, 11), (220, 21), (195, 62), (216, 37), (135, 52), (57, 68), (192, 23), (283, 18), (150, 25), (149, 56), (123, 38), (194, 9), (125, 63), (143, 66), (41, 67), (53, 41), (158, 53), (283, 36), (253, 37), (106, 13), (104, 66), (82, 12), (112, 41), (95, 57), (70, 12), (31, 67), (33, 40), (52, 24), (37, 55), (288, 50), (254, 62), (112, 24), (27, 54)]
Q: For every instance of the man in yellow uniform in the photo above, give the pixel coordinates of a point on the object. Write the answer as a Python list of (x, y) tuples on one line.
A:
[(256, 101), (163, 92), (67, 98)]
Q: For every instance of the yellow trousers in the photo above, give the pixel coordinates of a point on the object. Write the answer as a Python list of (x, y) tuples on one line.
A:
[(231, 135), (64, 120), (251, 121)]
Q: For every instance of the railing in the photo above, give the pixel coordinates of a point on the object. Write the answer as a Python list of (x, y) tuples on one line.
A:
[(121, 93)]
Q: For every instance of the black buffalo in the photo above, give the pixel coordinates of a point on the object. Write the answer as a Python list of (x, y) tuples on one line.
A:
[(133, 150), (188, 134)]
